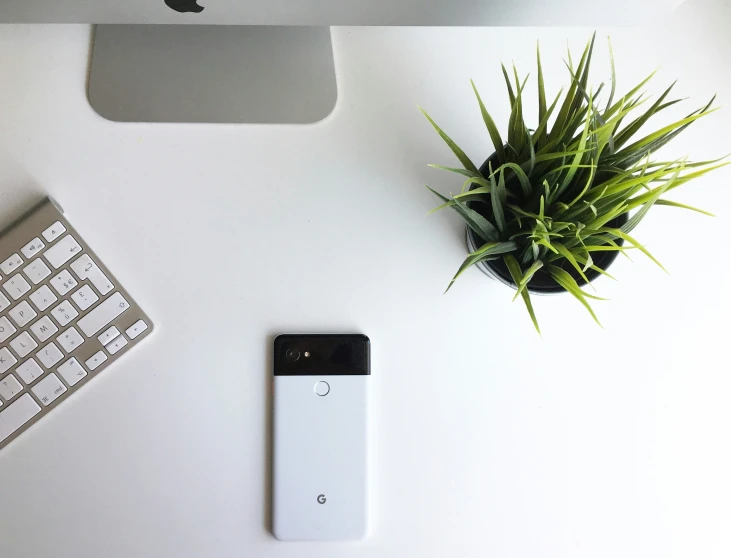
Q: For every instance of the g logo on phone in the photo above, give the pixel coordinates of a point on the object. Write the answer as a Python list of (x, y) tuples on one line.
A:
[(321, 499)]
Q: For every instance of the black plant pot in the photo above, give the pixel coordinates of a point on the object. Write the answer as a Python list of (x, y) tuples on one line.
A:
[(541, 283)]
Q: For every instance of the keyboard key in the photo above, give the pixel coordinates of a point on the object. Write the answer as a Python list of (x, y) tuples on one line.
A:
[(23, 344), (64, 313), (4, 302), (72, 371), (136, 328), (16, 415), (96, 360), (11, 264), (36, 271), (43, 298), (63, 282), (43, 329), (70, 339), (85, 268), (29, 371), (103, 314), (6, 329), (84, 297), (62, 251), (16, 286), (10, 387), (108, 335), (32, 248), (50, 355), (22, 313), (49, 389), (7, 360), (116, 345), (54, 231)]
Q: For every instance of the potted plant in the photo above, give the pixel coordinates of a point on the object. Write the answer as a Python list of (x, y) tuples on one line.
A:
[(553, 206)]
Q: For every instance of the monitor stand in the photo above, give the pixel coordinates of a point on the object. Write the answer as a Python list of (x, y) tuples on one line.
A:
[(215, 74)]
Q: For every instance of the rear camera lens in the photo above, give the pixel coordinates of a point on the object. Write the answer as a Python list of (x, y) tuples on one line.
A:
[(293, 355)]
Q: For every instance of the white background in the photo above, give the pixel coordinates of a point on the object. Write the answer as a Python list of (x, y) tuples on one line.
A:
[(488, 440)]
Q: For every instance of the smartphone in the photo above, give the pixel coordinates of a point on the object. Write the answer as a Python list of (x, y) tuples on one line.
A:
[(320, 446)]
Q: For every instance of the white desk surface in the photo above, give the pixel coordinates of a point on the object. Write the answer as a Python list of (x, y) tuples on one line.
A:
[(488, 441)]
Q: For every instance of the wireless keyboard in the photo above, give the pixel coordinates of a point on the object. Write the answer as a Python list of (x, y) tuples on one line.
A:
[(64, 317)]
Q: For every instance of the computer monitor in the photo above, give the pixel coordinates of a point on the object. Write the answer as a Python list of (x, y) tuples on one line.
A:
[(264, 61)]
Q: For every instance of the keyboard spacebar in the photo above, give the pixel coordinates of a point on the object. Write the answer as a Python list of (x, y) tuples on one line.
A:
[(16, 415), (103, 314)]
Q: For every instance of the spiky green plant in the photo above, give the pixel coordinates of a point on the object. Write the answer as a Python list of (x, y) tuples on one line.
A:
[(555, 190)]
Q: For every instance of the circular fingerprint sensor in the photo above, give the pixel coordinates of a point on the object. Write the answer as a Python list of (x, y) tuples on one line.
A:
[(322, 388)]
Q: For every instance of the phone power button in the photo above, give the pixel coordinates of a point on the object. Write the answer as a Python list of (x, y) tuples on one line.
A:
[(322, 388)]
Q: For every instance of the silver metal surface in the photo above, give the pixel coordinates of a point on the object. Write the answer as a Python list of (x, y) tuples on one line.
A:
[(12, 240), (264, 74), (340, 12), (215, 74)]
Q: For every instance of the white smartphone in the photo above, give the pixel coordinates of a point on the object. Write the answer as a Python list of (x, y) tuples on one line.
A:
[(320, 461)]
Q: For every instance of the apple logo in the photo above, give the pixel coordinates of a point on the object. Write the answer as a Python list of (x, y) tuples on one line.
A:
[(184, 6)]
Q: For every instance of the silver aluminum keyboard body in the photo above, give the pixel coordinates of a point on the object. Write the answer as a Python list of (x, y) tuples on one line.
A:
[(64, 317)]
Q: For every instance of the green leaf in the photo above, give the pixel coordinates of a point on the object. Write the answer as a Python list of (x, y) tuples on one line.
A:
[(517, 275), (583, 82), (463, 172), (626, 181), (541, 87), (520, 174), (475, 180), (566, 253), (577, 158), (476, 194), (543, 242), (532, 151), (683, 206), (518, 211), (606, 248), (527, 276), (497, 207), (552, 156), (540, 132), (591, 265), (497, 141), (655, 140), (589, 261), (542, 208), (693, 175), (611, 110), (466, 162), (482, 227), (486, 251), (569, 284), (501, 191), (516, 124), (509, 86), (605, 133), (624, 236), (588, 184), (629, 226), (614, 76), (634, 127), (536, 251), (572, 99)]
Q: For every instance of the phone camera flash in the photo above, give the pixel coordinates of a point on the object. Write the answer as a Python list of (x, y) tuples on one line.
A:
[(307, 354)]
